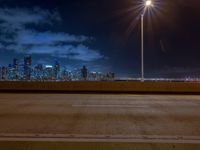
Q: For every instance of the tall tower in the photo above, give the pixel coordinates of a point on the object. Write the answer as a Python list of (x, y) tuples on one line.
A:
[(56, 69), (48, 72), (4, 72), (15, 69), (38, 72), (27, 67), (15, 63), (84, 73)]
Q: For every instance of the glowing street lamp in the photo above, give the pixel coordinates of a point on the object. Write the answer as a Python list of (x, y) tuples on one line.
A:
[(147, 4)]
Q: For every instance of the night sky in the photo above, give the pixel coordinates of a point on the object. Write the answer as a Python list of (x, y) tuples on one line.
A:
[(104, 35)]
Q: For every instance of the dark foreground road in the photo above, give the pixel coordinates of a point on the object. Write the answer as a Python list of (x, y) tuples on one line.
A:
[(60, 121)]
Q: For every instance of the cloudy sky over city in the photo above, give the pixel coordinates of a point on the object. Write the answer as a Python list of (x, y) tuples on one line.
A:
[(103, 35)]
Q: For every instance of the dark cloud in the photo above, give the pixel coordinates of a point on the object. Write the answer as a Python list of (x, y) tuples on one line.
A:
[(13, 19), (79, 52), (30, 37), (15, 36)]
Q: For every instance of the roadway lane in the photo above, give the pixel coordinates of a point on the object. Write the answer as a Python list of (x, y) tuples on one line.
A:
[(114, 117)]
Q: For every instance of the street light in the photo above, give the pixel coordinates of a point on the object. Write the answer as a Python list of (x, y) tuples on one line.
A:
[(147, 4)]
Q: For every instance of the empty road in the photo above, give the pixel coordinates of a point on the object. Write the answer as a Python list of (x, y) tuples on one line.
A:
[(100, 117)]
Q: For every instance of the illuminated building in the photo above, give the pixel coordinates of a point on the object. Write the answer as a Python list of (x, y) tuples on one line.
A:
[(27, 67), (10, 72), (22, 70), (66, 75), (15, 68), (48, 72), (4, 73), (84, 73), (56, 70), (38, 72)]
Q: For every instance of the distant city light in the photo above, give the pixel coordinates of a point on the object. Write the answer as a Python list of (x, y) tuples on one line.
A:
[(48, 66), (26, 71)]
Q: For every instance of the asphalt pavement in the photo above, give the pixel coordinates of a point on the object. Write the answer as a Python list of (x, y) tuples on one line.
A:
[(100, 118)]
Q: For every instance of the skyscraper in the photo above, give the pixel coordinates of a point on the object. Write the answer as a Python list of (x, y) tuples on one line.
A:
[(15, 63), (27, 67), (10, 72), (84, 73), (48, 72), (38, 72), (56, 70), (15, 68), (4, 73)]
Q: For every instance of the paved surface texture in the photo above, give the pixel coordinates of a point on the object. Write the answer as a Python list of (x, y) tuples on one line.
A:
[(115, 117)]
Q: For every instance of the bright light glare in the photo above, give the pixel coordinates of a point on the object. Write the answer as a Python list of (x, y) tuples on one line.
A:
[(148, 3)]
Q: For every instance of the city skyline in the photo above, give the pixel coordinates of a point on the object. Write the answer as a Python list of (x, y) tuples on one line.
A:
[(103, 35), (25, 70)]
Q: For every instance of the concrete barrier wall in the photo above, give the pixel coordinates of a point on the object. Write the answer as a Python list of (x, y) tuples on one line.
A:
[(118, 86)]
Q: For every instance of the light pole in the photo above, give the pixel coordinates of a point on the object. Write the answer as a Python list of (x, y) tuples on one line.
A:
[(148, 3)]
